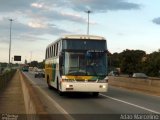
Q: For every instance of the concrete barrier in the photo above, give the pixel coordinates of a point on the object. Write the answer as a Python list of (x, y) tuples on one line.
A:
[(33, 105), (29, 105), (145, 85)]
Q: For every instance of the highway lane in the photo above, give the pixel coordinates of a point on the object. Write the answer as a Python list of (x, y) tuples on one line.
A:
[(138, 98), (115, 101)]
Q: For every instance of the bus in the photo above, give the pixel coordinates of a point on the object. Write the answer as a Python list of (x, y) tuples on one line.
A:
[(77, 63)]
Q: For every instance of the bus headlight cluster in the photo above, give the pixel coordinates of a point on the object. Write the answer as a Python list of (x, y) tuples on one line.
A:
[(102, 86), (69, 86)]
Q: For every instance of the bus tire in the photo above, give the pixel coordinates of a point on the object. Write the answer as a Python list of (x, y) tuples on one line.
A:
[(48, 83), (58, 90), (95, 94)]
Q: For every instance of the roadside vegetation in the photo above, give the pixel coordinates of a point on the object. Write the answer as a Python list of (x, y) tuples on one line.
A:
[(131, 61), (5, 77)]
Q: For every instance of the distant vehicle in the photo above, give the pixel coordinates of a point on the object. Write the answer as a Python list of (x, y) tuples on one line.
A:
[(30, 68), (39, 73), (114, 73), (25, 68), (139, 75), (77, 63), (35, 69)]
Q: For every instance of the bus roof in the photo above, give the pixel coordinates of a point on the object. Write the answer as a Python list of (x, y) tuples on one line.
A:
[(90, 37), (86, 37)]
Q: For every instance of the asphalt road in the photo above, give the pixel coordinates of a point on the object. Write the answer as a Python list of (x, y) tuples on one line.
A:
[(117, 102)]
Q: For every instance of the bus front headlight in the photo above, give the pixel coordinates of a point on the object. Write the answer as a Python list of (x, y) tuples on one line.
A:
[(102, 86)]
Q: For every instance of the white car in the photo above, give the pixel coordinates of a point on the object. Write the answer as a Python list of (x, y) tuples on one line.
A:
[(139, 75), (113, 73), (39, 73)]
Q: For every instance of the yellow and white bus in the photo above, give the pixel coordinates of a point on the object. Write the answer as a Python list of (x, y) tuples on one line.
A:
[(77, 63)]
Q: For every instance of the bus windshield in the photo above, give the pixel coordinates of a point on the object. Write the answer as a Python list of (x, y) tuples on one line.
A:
[(85, 63)]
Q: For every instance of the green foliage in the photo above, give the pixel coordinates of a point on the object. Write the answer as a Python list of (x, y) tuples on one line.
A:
[(136, 61), (5, 77), (37, 64), (153, 64), (33, 64), (113, 61), (131, 61)]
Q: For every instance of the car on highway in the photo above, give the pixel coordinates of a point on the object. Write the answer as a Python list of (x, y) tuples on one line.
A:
[(25, 68), (139, 75), (113, 73), (39, 73)]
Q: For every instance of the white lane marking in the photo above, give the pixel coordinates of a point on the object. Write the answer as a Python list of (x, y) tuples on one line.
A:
[(153, 111), (69, 117)]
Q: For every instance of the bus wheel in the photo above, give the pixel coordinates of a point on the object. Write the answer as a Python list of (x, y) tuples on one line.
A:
[(48, 83), (59, 92), (95, 94)]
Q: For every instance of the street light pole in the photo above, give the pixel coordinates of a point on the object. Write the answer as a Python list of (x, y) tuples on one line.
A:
[(10, 40), (88, 12)]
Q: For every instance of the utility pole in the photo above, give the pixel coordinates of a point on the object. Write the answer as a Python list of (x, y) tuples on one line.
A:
[(88, 12), (10, 41)]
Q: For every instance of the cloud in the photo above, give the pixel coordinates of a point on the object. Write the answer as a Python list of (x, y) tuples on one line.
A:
[(96, 5), (32, 29), (102, 5), (58, 9), (61, 9), (37, 24), (14, 5), (57, 15), (4, 40), (37, 20), (29, 38), (156, 21), (43, 5), (36, 17), (37, 5), (72, 17)]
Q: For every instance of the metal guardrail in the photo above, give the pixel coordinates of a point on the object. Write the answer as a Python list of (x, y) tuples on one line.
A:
[(5, 78)]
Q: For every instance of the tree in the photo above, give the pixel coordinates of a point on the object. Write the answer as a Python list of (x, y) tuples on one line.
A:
[(152, 64), (37, 64), (34, 64), (131, 61), (136, 61), (113, 61)]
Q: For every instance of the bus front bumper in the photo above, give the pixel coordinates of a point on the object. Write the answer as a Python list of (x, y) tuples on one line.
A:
[(83, 87)]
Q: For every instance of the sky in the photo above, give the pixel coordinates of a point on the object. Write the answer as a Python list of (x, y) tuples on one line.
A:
[(126, 24)]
